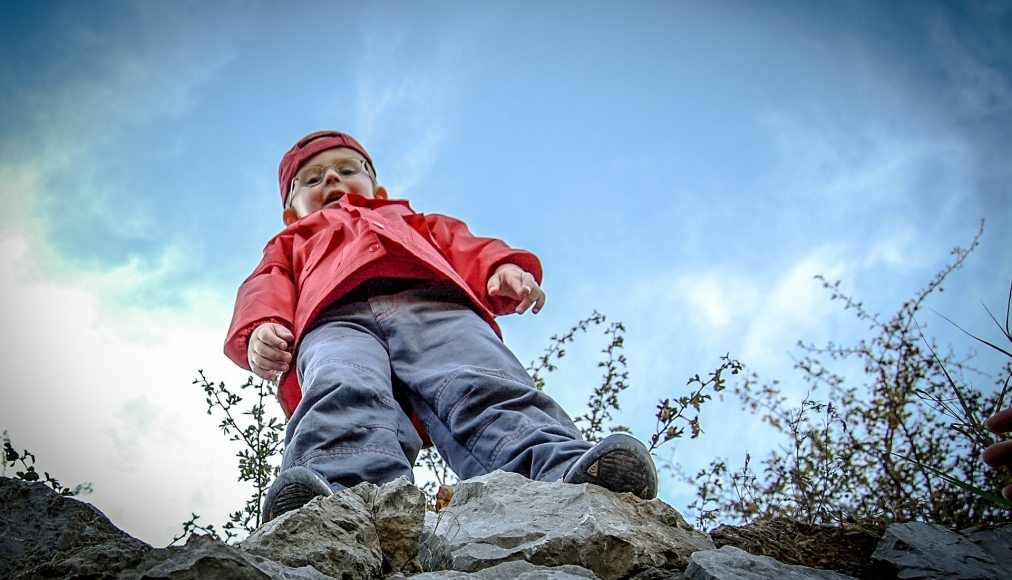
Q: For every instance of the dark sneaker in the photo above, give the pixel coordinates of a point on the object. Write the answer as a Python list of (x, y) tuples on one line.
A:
[(292, 490), (618, 463)]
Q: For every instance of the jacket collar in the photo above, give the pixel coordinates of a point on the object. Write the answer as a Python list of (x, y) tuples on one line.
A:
[(356, 200)]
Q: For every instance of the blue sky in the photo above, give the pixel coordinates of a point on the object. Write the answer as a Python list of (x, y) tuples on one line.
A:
[(683, 167)]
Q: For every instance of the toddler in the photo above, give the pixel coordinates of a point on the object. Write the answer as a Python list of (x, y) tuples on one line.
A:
[(379, 324)]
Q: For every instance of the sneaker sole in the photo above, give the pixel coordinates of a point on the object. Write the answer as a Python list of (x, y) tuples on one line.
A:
[(619, 463), (291, 497), (293, 489)]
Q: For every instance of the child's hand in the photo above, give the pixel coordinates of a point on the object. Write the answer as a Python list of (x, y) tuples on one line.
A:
[(1000, 453), (511, 281), (268, 354)]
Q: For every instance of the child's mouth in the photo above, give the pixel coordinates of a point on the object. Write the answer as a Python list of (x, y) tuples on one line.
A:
[(333, 198)]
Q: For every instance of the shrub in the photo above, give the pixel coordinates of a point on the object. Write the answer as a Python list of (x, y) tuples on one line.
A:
[(259, 453), (880, 446)]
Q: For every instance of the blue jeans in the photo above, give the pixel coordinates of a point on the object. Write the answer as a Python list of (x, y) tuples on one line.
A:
[(424, 344)]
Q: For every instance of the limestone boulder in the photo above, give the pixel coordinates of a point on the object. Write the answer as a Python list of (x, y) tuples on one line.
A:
[(920, 550), (502, 517), (335, 535)]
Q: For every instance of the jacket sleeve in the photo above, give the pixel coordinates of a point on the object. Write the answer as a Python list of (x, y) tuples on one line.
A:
[(476, 258), (267, 295)]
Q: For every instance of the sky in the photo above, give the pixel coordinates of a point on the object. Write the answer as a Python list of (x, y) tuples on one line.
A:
[(685, 168)]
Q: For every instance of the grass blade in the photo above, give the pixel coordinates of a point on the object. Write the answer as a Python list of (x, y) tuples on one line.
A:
[(968, 414), (980, 340), (989, 496)]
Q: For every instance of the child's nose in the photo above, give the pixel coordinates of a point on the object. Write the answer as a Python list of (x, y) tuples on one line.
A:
[(330, 175)]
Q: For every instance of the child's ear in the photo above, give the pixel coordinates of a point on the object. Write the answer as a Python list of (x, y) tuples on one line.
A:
[(380, 192), (289, 216)]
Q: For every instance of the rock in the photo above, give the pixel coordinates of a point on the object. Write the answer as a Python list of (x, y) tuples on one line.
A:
[(334, 534), (398, 512), (517, 570), (46, 535), (793, 542), (997, 542), (497, 527), (204, 557), (502, 517), (919, 550), (730, 563)]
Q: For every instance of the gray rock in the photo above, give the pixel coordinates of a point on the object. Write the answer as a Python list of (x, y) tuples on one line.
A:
[(997, 542), (398, 512), (204, 557), (44, 534), (334, 534), (502, 517), (730, 563), (919, 550), (433, 551), (501, 526), (517, 570)]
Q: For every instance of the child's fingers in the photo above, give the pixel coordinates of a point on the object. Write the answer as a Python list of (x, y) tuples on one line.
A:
[(283, 333), (267, 355), (266, 358), (999, 454), (519, 285), (278, 337), (540, 302), (272, 376), (502, 284), (533, 296), (525, 303), (1000, 422), (266, 368)]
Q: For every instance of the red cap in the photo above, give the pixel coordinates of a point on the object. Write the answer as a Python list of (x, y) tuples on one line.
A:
[(307, 147)]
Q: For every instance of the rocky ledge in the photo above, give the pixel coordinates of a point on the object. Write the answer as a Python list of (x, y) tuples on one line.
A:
[(500, 526)]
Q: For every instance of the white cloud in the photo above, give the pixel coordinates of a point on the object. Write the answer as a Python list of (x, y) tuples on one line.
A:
[(104, 395), (757, 316), (709, 299), (17, 183), (794, 305)]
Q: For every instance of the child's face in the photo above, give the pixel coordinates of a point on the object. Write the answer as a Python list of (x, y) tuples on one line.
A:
[(326, 177)]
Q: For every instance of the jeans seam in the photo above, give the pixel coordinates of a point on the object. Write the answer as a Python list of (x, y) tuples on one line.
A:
[(457, 405), (516, 435), (474, 438), (479, 370), (442, 387), (383, 307), (344, 450), (386, 400)]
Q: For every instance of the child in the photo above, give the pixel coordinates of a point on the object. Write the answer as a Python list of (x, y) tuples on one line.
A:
[(389, 318)]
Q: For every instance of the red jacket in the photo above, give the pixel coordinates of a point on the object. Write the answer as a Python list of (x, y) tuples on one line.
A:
[(323, 256)]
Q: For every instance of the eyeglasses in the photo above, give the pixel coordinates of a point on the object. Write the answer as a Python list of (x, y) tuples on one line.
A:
[(313, 175)]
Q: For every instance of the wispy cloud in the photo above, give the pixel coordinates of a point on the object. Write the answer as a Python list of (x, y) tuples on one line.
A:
[(404, 105)]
